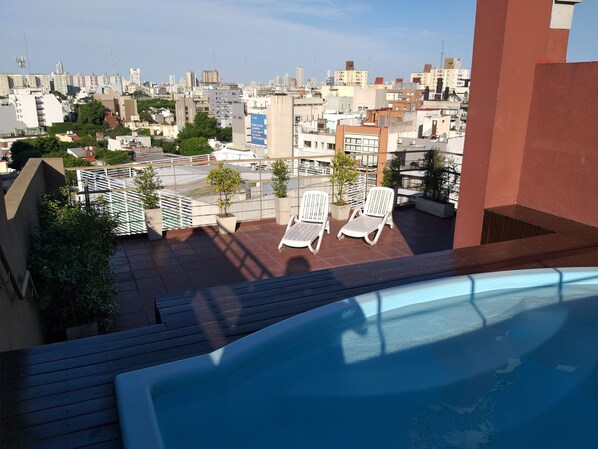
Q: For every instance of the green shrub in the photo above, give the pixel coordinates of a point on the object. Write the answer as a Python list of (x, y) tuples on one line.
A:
[(69, 262), (280, 178)]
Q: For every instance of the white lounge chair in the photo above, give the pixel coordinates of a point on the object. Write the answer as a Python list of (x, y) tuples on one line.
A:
[(376, 213), (312, 221)]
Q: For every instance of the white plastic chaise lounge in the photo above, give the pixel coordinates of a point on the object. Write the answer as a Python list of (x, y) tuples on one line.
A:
[(311, 223), (376, 213)]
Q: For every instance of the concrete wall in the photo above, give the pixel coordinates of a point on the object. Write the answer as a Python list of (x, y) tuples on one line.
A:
[(280, 124), (561, 154), (20, 324), (511, 37)]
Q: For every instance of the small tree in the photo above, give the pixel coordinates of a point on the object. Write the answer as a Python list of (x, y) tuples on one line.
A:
[(148, 185), (391, 176), (69, 260), (344, 172), (440, 176), (225, 181), (280, 178)]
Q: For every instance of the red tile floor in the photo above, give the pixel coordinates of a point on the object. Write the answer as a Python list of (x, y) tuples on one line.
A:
[(195, 258)]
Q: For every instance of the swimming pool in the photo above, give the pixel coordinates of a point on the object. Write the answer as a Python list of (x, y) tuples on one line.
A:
[(491, 360)]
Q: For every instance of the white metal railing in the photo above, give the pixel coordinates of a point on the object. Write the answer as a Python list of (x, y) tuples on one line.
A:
[(186, 200)]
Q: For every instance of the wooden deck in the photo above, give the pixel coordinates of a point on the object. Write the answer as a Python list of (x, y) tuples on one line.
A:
[(62, 395)]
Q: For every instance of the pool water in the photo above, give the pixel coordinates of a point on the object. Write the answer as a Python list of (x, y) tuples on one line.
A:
[(507, 368)]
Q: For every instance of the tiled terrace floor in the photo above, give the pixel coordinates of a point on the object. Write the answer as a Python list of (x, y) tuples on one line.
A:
[(198, 258)]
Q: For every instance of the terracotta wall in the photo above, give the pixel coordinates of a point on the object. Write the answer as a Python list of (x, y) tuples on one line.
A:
[(511, 38), (559, 174)]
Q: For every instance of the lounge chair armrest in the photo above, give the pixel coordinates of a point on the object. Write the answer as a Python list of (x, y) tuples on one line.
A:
[(355, 212), (292, 220)]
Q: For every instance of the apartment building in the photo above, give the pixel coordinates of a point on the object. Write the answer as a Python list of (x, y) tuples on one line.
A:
[(210, 77), (36, 109), (187, 107), (225, 101), (11, 81), (437, 79), (371, 145)]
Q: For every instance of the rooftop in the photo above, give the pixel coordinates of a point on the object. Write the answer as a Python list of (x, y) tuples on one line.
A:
[(62, 395)]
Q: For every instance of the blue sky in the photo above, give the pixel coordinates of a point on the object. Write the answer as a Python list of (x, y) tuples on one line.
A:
[(250, 39)]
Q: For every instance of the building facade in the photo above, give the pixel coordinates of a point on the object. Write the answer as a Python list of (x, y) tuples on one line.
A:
[(36, 109)]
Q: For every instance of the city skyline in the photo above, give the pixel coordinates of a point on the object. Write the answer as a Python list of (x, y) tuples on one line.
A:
[(252, 39)]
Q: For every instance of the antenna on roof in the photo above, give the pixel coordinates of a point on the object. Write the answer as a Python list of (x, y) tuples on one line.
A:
[(442, 56), (27, 53)]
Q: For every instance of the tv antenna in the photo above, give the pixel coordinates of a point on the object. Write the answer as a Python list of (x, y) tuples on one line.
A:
[(441, 56)]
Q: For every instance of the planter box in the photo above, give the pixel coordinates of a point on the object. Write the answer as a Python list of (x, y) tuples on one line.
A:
[(82, 331), (340, 213), (432, 207), (153, 221), (282, 207), (226, 225)]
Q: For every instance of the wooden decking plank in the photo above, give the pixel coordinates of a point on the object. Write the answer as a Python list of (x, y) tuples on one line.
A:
[(96, 434), (14, 362), (60, 413), (58, 400), (82, 343)]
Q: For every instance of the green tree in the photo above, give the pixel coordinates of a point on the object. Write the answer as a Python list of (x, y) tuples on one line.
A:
[(202, 126), (440, 176), (91, 114), (114, 157), (168, 146), (195, 145), (344, 172), (148, 185), (75, 286), (280, 178), (225, 134), (225, 181), (46, 144), (20, 152), (391, 176)]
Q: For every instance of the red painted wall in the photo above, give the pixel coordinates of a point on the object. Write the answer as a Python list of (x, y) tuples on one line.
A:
[(511, 37), (559, 174)]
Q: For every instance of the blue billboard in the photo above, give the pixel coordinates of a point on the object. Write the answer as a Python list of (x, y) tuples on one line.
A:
[(258, 129)]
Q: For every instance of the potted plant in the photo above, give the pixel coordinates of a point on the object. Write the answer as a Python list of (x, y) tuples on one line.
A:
[(69, 260), (225, 181), (438, 183), (148, 185), (282, 203), (344, 173), (391, 175)]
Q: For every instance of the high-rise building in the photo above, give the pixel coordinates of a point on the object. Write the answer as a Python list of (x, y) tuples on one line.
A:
[(171, 80), (59, 68), (190, 80), (61, 83), (210, 77), (287, 80), (300, 76), (135, 76), (350, 76)]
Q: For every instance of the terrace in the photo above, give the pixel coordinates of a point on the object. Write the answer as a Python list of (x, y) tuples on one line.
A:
[(62, 395)]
